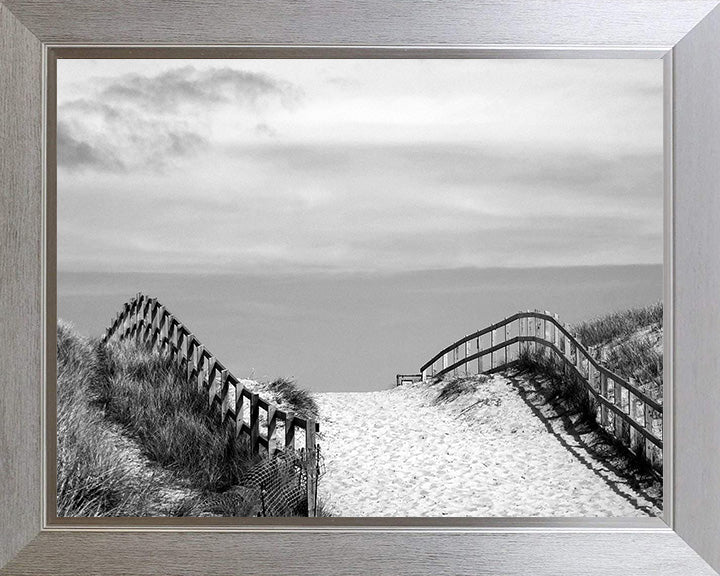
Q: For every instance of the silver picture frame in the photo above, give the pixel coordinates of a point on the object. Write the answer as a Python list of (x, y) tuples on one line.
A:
[(684, 33)]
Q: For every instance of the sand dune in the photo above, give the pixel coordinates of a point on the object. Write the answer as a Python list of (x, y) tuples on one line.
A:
[(488, 453)]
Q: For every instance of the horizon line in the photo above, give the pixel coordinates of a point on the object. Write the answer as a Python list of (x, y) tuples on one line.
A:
[(356, 272)]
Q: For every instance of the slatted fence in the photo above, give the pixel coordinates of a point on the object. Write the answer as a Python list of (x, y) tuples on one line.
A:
[(628, 413), (145, 320)]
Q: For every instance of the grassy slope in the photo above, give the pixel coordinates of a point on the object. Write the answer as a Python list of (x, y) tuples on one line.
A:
[(632, 340), (619, 325), (151, 401), (89, 480)]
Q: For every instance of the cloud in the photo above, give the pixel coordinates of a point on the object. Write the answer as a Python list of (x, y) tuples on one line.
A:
[(421, 165), (468, 169), (76, 154), (264, 130), (146, 122), (169, 91), (299, 208)]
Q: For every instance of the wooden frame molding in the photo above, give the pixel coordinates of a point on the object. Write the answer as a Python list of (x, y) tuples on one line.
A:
[(685, 33)]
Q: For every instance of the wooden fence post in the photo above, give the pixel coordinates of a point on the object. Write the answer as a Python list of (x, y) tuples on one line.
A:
[(578, 358), (171, 337), (158, 339), (190, 367), (492, 354), (154, 325), (604, 394), (311, 452), (271, 424), (254, 423), (520, 335), (146, 318), (161, 327), (178, 343), (218, 392), (505, 350), (465, 364), (619, 424), (199, 352), (634, 441), (531, 333), (239, 410), (211, 375), (632, 412), (647, 424), (290, 431), (182, 348)]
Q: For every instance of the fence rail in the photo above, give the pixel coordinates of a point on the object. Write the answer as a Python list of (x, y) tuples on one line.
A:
[(145, 320), (628, 413)]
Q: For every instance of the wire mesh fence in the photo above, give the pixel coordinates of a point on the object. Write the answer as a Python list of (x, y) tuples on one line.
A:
[(280, 482)]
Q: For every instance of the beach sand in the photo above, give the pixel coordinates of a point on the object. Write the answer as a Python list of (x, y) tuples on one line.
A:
[(490, 452)]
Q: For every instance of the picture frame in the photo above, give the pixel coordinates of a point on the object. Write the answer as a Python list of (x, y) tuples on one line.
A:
[(686, 34)]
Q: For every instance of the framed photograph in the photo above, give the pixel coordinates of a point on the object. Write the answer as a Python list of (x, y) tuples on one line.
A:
[(390, 300)]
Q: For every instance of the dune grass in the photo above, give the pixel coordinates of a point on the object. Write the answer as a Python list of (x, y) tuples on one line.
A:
[(150, 399), (618, 325), (630, 353), (299, 400), (89, 480), (639, 359), (457, 386), (153, 399)]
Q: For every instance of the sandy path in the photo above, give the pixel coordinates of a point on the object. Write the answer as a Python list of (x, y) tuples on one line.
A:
[(395, 453)]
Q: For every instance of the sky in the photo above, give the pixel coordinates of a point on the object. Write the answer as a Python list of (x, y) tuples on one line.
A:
[(284, 172)]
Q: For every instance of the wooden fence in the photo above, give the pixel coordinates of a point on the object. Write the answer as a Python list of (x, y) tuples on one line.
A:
[(146, 320), (629, 414)]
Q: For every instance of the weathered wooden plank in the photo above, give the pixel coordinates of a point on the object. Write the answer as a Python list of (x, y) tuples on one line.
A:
[(254, 424), (290, 431), (505, 348), (199, 366), (311, 455), (604, 393), (216, 387), (492, 346), (239, 411), (271, 425)]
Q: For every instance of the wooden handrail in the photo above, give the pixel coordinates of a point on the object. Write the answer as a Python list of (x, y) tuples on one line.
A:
[(470, 337), (539, 315), (614, 406), (145, 319)]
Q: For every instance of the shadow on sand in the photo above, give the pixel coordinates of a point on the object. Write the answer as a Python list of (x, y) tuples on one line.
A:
[(589, 441)]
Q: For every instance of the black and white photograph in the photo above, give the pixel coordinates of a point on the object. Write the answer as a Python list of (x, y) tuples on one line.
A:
[(359, 288)]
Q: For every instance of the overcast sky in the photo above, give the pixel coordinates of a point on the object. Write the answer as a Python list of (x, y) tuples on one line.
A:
[(270, 166)]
